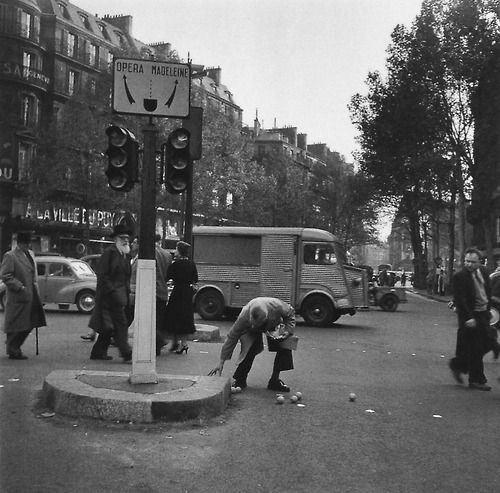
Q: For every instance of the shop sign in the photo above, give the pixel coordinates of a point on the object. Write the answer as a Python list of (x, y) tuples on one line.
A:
[(6, 169), (17, 71), (71, 215)]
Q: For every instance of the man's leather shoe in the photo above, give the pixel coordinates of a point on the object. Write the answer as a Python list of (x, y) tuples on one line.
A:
[(479, 386), (104, 357), (456, 373), (242, 384), (17, 356), (88, 337), (278, 385)]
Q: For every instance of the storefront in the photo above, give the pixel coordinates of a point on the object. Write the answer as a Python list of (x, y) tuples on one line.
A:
[(60, 228)]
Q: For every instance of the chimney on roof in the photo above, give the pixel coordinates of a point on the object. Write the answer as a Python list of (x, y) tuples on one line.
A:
[(290, 133), (319, 150), (302, 141), (162, 49), (256, 125), (215, 74), (123, 22)]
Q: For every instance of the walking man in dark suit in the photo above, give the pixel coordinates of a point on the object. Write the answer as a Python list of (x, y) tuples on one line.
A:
[(23, 309), (471, 296), (111, 315)]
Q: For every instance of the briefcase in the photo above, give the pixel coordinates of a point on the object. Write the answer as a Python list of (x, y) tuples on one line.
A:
[(273, 344)]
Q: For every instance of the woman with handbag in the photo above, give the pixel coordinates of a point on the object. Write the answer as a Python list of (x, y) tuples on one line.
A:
[(180, 311)]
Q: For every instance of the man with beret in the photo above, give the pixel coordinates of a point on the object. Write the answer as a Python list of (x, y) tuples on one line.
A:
[(262, 314), (111, 315), (23, 308)]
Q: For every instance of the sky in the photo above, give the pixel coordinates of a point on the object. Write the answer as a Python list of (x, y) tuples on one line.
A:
[(293, 62)]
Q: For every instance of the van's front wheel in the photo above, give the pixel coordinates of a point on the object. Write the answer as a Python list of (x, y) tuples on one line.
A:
[(209, 304), (318, 311)]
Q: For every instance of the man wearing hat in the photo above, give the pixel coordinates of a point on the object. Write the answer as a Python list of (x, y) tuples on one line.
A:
[(23, 309), (109, 317)]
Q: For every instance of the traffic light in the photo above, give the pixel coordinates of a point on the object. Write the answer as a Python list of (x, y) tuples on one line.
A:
[(177, 161), (122, 152)]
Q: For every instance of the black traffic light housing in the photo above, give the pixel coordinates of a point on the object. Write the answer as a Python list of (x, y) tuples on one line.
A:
[(178, 161), (122, 152)]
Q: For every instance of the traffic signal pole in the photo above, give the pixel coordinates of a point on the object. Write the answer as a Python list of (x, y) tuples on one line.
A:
[(144, 350)]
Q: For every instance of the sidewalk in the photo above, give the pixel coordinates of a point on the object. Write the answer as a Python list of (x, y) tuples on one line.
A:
[(423, 292)]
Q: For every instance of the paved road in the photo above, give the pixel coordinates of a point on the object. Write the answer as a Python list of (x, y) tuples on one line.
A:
[(411, 428)]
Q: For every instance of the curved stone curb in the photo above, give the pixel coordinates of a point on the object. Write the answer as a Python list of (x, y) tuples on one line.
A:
[(69, 392)]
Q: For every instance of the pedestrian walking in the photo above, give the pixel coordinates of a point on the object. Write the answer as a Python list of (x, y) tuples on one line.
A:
[(111, 315), (471, 298), (163, 261), (23, 308), (180, 311), (383, 277), (134, 257), (403, 278), (258, 316)]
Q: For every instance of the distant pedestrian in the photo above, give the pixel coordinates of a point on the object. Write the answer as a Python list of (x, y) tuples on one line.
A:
[(134, 257), (257, 317), (471, 297), (163, 261), (495, 279), (383, 277), (180, 310), (111, 315), (23, 309), (403, 278)]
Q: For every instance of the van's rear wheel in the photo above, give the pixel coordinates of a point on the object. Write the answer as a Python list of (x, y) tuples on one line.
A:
[(209, 304), (318, 311)]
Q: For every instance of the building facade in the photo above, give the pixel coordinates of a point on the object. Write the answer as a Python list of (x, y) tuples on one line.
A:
[(51, 50)]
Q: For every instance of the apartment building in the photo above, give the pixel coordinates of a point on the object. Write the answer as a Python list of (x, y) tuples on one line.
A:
[(51, 50)]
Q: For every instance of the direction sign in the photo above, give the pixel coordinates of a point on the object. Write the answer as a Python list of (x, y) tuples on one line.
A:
[(146, 87)]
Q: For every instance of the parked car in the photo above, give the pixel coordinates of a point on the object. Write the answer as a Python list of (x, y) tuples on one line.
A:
[(92, 260), (64, 281)]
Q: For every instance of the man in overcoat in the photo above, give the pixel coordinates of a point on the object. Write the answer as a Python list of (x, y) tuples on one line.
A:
[(471, 297), (23, 309), (258, 316), (109, 317)]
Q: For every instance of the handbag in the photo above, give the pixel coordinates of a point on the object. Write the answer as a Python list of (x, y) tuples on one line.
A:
[(280, 339)]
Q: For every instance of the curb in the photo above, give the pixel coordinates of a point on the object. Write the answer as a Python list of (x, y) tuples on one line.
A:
[(204, 333), (442, 299), (110, 396)]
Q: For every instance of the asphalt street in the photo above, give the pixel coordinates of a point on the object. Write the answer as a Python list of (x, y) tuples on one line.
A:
[(411, 427)]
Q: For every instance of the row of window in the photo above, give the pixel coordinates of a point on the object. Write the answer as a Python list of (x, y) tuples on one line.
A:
[(82, 49), (86, 23)]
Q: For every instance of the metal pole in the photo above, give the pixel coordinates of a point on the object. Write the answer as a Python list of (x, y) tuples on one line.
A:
[(144, 352), (148, 193), (188, 218)]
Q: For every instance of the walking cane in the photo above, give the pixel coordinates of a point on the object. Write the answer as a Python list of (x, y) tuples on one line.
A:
[(36, 339)]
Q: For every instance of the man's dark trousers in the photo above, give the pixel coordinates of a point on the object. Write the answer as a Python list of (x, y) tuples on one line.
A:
[(283, 360)]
